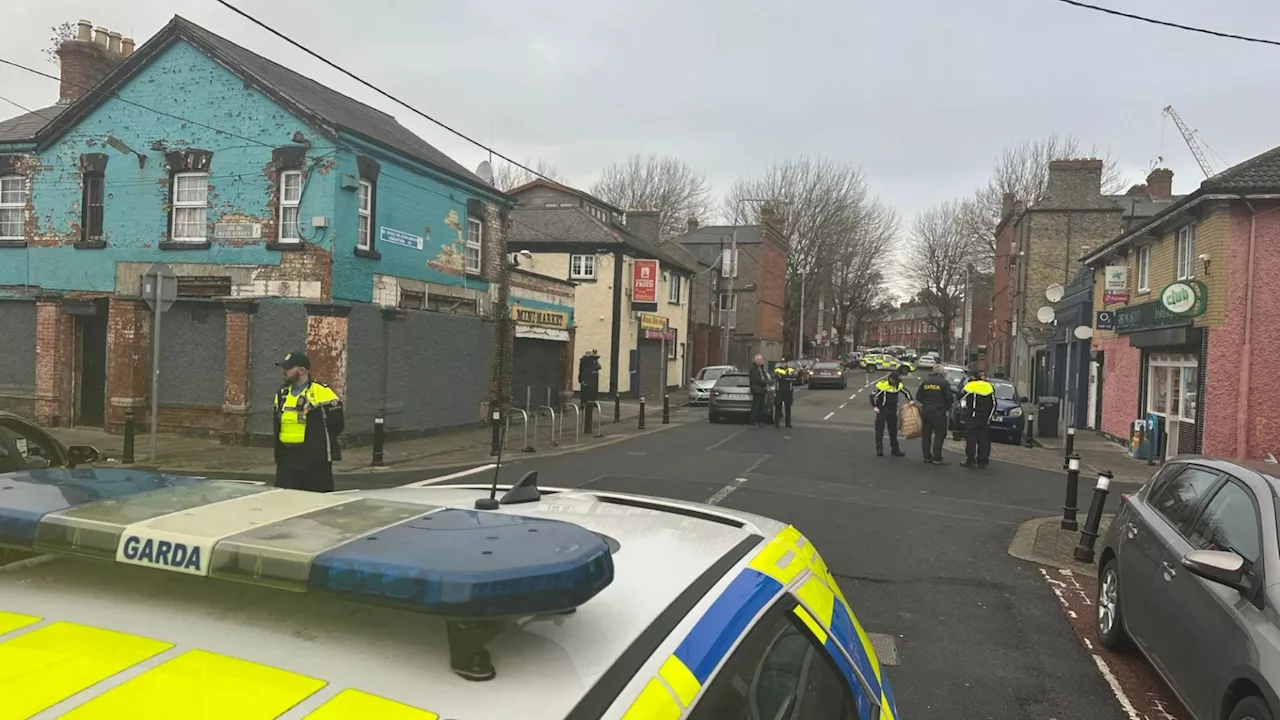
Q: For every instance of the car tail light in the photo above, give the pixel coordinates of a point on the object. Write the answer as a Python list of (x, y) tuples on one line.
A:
[(1124, 499), (715, 393)]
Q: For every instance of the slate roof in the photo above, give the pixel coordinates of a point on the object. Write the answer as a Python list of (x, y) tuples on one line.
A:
[(1142, 206), (543, 182), (532, 226), (301, 94), (24, 127), (715, 234)]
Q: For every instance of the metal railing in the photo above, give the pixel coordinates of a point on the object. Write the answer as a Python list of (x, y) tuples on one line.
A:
[(577, 421), (526, 447), (552, 413), (599, 428)]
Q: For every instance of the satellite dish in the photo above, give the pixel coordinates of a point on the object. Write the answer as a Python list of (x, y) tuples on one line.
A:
[(485, 172), (1083, 332), (1053, 293), (1045, 314)]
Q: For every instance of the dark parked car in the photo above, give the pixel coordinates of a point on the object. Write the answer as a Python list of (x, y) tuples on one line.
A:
[(731, 397), (827, 374), (24, 446), (1008, 422), (1188, 573)]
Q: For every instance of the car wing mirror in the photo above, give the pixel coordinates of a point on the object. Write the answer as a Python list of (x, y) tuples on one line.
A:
[(1224, 568), (1022, 399), (83, 454)]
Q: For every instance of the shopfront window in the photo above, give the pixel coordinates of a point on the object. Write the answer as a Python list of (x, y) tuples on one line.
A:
[(1190, 377), (1158, 390)]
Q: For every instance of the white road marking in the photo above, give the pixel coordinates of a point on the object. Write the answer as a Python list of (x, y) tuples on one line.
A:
[(739, 480), (828, 417), (1107, 675), (754, 465), (451, 476), (842, 405), (855, 394), (727, 438), (721, 494)]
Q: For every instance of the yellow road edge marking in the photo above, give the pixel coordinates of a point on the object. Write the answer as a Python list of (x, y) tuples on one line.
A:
[(357, 705), (655, 702), (681, 679), (50, 664), (13, 621), (812, 624), (201, 684)]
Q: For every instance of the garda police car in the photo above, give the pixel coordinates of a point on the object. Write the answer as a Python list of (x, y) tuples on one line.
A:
[(153, 596)]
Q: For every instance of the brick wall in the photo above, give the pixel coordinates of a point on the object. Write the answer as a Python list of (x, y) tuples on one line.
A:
[(772, 293), (239, 349), (128, 360), (55, 346)]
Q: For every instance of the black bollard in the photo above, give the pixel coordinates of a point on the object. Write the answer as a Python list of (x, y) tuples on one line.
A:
[(1152, 442), (1073, 489), (1070, 446), (1089, 535), (666, 408), (617, 408), (1031, 431), (379, 436), (641, 412), (495, 443), (129, 430)]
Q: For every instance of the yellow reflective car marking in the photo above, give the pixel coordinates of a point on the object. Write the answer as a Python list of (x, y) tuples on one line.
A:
[(681, 679), (356, 705), (812, 624), (654, 703), (200, 684), (50, 664), (814, 593), (13, 621)]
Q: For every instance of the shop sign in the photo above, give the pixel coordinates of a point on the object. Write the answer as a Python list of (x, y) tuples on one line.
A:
[(1106, 320), (1117, 278), (1115, 298), (668, 335), (535, 317), (651, 322), (644, 281), (1184, 298)]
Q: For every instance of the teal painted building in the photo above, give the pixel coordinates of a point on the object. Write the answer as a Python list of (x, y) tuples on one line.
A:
[(283, 208)]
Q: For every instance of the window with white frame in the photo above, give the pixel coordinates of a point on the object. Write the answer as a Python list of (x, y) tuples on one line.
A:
[(290, 199), (475, 244), (582, 267), (728, 301), (13, 206), (190, 207), (1144, 268), (1186, 252), (364, 226), (673, 289)]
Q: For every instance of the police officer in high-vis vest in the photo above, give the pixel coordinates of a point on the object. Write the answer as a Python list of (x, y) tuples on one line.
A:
[(308, 421), (977, 407), (884, 400), (785, 376)]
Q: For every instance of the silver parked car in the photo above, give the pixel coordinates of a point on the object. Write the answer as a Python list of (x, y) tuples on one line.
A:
[(700, 388), (1189, 572)]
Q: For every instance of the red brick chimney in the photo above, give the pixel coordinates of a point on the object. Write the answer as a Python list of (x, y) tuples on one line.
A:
[(86, 59), (692, 224), (1160, 184), (1007, 203)]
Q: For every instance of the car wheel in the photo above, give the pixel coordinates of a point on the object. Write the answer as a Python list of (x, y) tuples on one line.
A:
[(1111, 632), (1251, 708)]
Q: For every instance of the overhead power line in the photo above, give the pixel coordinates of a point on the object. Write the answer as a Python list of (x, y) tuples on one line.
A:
[(1162, 23), (377, 89)]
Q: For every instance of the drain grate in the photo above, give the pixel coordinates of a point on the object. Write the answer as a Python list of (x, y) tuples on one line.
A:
[(886, 648)]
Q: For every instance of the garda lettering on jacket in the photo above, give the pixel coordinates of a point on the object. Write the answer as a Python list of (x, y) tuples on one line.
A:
[(164, 554), (932, 386)]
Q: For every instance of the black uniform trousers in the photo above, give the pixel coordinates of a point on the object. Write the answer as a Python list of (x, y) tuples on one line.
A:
[(781, 406), (977, 440), (887, 419), (295, 471), (933, 431), (757, 409)]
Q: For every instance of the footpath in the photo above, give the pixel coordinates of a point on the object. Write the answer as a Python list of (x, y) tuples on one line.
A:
[(404, 461)]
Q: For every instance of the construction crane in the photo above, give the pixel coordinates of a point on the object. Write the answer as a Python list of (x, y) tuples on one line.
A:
[(1189, 136)]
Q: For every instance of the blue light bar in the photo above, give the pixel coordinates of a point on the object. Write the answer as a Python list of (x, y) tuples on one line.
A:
[(467, 564)]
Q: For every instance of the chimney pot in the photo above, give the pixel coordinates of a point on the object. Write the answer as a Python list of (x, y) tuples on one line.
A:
[(113, 45), (693, 224), (1160, 184), (1007, 203), (82, 65), (101, 37), (84, 31), (126, 47)]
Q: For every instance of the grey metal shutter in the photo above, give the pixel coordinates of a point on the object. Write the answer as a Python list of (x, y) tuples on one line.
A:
[(535, 372)]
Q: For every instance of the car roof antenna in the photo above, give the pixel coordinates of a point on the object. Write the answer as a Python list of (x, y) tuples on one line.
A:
[(491, 502)]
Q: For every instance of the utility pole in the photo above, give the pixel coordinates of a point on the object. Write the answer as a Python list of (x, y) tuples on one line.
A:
[(733, 275), (968, 315), (800, 333)]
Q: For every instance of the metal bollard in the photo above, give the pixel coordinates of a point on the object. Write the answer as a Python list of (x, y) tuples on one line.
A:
[(1031, 431), (1152, 443), (129, 430), (1089, 535), (495, 444), (1070, 446), (666, 408), (1069, 508), (617, 408), (641, 412), (379, 437)]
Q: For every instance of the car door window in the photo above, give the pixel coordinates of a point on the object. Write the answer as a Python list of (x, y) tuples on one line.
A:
[(1178, 500), (1229, 523), (23, 447), (778, 672)]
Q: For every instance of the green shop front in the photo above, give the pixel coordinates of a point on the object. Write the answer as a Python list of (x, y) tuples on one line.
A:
[(1174, 353)]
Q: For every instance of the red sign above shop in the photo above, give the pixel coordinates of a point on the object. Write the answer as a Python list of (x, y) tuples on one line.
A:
[(1111, 298), (644, 281)]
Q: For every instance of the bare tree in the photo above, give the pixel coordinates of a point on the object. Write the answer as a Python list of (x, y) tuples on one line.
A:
[(651, 182), (60, 33), (507, 176), (822, 204), (1023, 170), (939, 250), (857, 284)]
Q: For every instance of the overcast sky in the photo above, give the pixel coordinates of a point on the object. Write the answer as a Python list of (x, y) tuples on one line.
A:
[(922, 94)]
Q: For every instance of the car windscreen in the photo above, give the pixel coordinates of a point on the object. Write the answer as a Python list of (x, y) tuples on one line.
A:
[(711, 373), (955, 377), (1005, 391), (729, 381)]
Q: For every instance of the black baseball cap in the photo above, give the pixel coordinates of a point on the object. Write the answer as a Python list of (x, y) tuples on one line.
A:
[(295, 359)]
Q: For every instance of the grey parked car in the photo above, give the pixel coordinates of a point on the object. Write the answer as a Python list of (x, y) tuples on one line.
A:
[(731, 397), (1189, 572)]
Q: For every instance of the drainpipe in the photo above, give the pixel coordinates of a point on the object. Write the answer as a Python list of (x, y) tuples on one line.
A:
[(1246, 352)]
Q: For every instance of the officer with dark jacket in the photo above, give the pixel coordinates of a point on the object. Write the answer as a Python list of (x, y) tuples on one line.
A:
[(759, 382), (935, 398), (785, 377), (977, 407), (589, 385), (308, 419), (884, 400)]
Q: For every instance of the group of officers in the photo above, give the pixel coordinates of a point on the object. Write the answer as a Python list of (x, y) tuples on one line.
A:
[(936, 398)]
